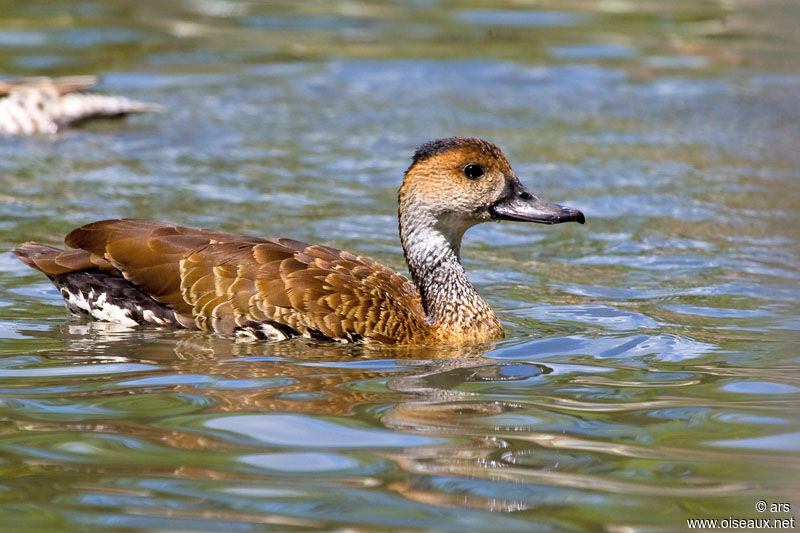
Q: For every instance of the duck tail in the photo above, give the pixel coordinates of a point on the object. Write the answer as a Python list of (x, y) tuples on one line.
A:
[(36, 255)]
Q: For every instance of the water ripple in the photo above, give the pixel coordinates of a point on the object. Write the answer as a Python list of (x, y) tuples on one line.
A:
[(290, 430), (650, 360)]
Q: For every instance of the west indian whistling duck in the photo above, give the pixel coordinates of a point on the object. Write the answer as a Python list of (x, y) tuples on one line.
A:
[(31, 106), (150, 272)]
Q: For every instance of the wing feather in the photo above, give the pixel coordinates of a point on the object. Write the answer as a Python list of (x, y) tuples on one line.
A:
[(224, 280)]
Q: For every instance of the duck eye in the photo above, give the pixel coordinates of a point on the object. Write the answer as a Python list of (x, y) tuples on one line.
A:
[(473, 171)]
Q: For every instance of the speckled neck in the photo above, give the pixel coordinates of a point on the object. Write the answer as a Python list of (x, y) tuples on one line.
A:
[(432, 245)]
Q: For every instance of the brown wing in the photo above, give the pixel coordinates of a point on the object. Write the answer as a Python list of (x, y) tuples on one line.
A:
[(224, 281), (55, 261)]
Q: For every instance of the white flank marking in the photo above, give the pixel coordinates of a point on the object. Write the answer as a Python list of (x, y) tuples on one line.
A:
[(103, 310), (151, 317), (273, 333), (77, 301), (255, 332), (246, 333)]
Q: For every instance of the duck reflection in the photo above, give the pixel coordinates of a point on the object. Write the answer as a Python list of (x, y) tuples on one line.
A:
[(425, 393), (430, 425)]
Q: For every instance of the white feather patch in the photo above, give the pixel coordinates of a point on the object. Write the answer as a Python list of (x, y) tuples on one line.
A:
[(260, 331), (98, 307), (272, 333), (150, 316)]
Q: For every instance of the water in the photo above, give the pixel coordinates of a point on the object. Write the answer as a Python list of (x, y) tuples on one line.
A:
[(650, 370)]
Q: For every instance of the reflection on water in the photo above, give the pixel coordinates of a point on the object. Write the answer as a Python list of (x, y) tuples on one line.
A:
[(162, 421), (650, 370)]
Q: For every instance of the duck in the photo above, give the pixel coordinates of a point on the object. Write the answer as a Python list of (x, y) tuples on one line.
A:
[(35, 106), (139, 272)]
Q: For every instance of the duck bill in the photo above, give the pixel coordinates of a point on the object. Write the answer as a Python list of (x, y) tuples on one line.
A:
[(518, 204)]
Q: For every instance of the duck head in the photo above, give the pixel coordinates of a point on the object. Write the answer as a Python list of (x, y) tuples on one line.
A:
[(458, 182)]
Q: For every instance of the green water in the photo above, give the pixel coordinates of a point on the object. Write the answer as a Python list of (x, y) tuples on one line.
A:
[(650, 370)]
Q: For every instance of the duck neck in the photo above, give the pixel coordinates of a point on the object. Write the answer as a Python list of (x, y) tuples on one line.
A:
[(432, 247)]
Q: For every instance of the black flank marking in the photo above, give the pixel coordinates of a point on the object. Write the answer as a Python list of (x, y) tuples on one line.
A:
[(318, 335), (355, 337), (255, 327), (283, 328), (257, 333), (119, 292)]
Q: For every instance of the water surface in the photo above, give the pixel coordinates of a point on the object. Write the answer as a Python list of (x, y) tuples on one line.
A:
[(650, 370)]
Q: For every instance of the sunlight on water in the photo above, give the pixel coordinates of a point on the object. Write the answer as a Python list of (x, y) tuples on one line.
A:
[(649, 372)]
